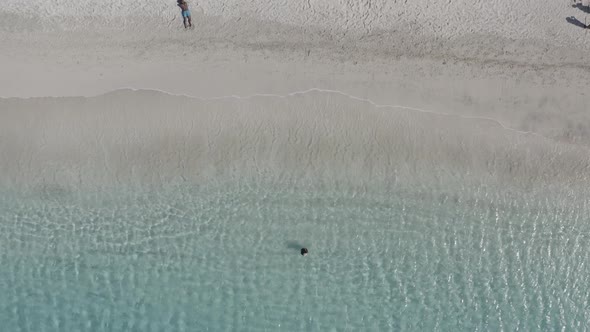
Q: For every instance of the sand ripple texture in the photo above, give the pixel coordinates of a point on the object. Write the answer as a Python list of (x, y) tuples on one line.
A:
[(531, 19)]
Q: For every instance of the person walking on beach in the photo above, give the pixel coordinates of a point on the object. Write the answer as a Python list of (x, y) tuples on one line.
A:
[(186, 14)]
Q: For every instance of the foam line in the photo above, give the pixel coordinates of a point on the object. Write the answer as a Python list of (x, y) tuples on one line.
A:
[(353, 97)]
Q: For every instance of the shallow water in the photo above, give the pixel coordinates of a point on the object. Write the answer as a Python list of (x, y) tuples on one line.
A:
[(141, 211), (200, 258)]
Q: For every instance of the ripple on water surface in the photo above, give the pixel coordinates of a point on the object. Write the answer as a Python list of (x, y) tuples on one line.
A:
[(196, 258)]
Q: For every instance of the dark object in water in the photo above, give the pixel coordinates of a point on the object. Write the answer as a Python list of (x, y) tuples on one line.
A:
[(304, 251)]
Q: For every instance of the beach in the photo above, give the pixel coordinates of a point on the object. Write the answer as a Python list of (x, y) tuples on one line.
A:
[(433, 157)]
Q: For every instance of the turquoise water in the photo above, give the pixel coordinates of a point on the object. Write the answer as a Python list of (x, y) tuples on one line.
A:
[(198, 258)]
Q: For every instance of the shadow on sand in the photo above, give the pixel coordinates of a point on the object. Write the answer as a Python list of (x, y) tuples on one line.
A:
[(580, 6), (575, 22)]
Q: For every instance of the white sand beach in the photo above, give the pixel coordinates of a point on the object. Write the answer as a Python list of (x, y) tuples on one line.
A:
[(521, 67)]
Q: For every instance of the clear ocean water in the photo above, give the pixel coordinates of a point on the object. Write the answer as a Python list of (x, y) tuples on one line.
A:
[(226, 257)]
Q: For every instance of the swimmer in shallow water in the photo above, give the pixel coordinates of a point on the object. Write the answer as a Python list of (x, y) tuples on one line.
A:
[(304, 251)]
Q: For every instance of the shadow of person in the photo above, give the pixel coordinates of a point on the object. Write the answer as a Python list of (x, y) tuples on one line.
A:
[(294, 245), (575, 22), (580, 6)]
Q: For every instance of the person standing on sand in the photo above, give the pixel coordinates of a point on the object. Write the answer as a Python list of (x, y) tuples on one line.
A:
[(186, 14)]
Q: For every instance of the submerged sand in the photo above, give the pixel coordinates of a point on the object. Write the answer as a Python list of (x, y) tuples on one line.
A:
[(151, 138)]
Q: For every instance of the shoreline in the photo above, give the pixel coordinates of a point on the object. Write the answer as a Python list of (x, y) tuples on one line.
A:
[(509, 80), (488, 79), (549, 101)]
